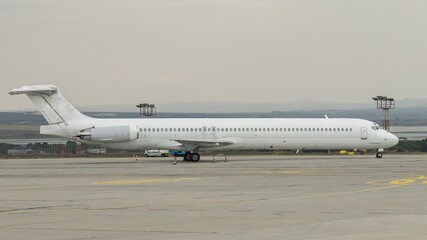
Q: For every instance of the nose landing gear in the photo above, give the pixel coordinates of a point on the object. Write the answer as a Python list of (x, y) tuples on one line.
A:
[(379, 153)]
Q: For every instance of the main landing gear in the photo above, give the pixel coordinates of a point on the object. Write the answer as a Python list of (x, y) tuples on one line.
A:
[(194, 157)]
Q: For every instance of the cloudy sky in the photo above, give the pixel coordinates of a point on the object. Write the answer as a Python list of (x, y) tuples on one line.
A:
[(248, 51)]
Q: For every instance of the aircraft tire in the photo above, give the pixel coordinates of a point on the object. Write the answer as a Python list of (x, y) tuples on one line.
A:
[(379, 155), (195, 157), (187, 157)]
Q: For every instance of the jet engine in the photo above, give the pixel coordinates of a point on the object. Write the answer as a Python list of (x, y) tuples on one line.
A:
[(112, 134)]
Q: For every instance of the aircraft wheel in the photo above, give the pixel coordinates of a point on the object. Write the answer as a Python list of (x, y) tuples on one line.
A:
[(379, 155), (195, 157), (187, 157)]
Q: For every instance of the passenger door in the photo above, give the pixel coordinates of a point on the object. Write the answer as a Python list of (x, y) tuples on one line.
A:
[(364, 133)]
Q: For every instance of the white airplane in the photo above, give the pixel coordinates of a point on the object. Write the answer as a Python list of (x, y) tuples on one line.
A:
[(193, 135)]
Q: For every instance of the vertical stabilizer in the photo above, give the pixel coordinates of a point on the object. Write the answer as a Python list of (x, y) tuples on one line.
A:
[(49, 101)]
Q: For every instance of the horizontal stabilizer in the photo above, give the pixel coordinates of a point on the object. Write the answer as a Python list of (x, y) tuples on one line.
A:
[(36, 89), (49, 101)]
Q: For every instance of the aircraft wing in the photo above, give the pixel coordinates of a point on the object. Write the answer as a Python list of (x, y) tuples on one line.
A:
[(207, 143)]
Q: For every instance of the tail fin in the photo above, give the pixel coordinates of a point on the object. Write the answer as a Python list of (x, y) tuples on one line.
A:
[(49, 101)]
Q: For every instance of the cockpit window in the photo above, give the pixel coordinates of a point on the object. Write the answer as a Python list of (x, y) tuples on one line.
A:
[(375, 127)]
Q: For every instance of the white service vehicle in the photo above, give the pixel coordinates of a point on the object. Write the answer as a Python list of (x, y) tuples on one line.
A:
[(156, 153)]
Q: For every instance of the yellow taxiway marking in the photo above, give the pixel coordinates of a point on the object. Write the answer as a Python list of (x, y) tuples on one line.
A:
[(402, 181), (393, 184), (338, 193), (144, 181), (322, 195)]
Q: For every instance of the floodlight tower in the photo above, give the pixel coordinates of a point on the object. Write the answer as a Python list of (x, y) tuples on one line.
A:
[(385, 104), (146, 109)]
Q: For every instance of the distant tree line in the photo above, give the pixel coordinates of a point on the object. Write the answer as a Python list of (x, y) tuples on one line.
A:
[(45, 148), (411, 146)]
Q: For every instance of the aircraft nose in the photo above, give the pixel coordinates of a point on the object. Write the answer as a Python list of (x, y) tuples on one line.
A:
[(392, 139)]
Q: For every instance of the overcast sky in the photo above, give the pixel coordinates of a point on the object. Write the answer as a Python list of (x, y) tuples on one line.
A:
[(160, 51)]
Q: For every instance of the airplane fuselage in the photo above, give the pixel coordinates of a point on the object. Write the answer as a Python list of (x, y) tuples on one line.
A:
[(244, 133)]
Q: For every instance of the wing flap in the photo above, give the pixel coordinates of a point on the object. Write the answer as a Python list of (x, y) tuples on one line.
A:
[(195, 143)]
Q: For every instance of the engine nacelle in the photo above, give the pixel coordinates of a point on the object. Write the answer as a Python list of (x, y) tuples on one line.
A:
[(111, 134)]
